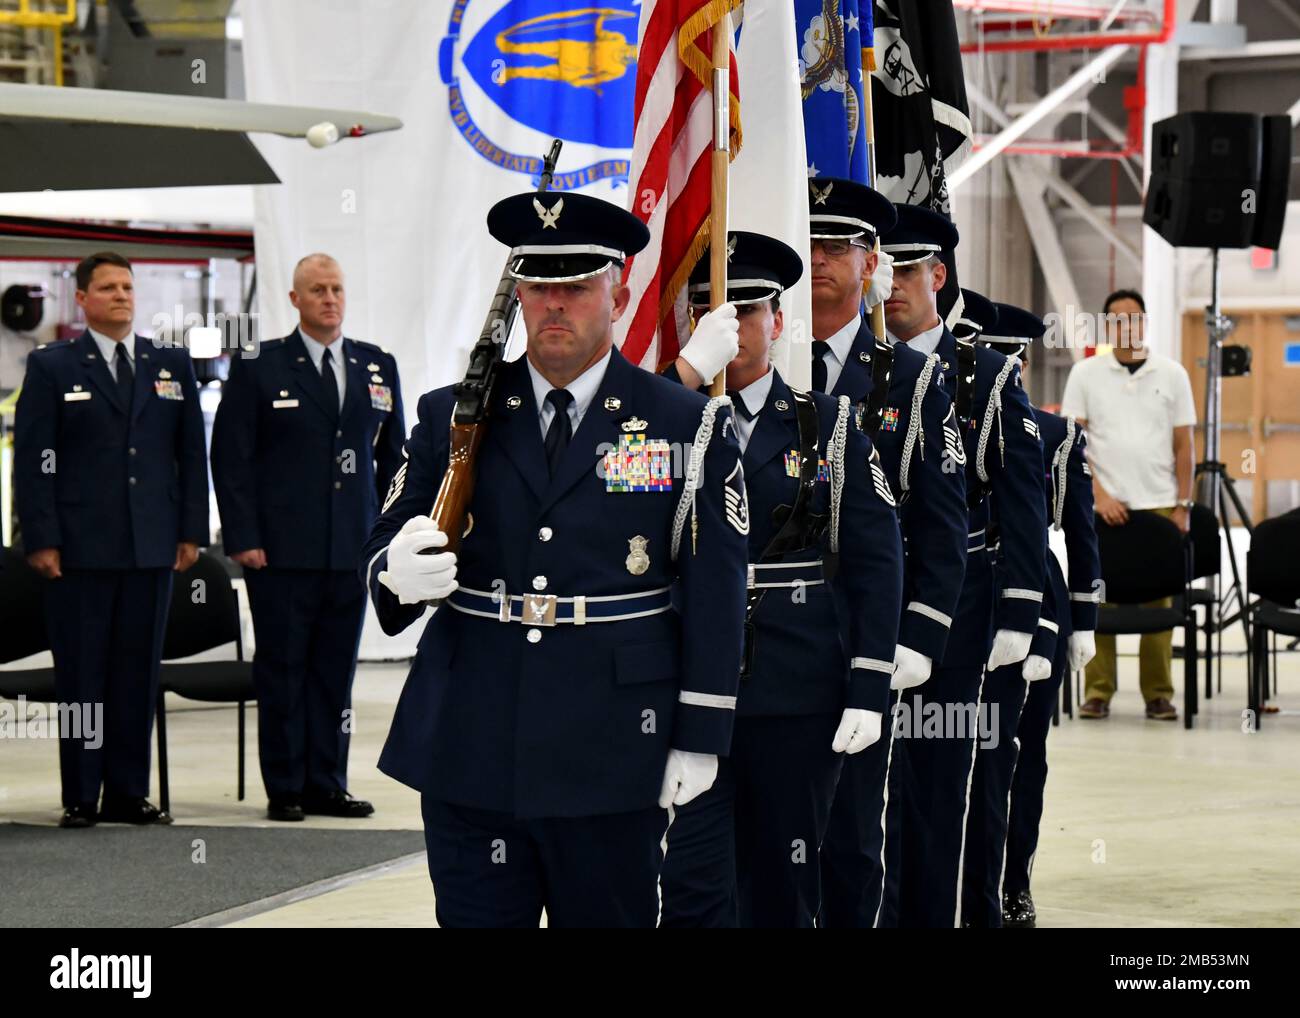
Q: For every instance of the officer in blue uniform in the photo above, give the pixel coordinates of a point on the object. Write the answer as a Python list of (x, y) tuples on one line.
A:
[(1000, 450), (307, 438), (1007, 789), (890, 388), (825, 578), (112, 486), (579, 675)]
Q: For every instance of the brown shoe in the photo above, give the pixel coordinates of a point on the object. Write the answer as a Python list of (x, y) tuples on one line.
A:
[(1161, 709), (1095, 708)]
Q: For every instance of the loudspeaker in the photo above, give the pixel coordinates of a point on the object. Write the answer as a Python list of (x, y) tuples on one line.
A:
[(1219, 180), (22, 307)]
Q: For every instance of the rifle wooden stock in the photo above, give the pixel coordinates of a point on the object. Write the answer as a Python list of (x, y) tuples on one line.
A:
[(451, 506)]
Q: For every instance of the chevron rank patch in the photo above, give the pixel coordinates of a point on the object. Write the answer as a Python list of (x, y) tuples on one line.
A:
[(1087, 469), (952, 438), (639, 464), (735, 502), (1031, 427), (889, 420), (397, 484), (879, 482)]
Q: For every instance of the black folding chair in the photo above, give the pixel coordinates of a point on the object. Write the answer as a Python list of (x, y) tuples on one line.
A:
[(22, 616), (204, 614), (1206, 555), (1148, 559), (1272, 575)]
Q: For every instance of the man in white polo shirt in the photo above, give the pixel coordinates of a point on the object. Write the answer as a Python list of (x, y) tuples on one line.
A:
[(1138, 409)]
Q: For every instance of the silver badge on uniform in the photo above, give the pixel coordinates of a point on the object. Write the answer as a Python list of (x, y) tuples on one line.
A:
[(781, 405), (514, 402), (635, 424), (613, 403), (637, 560)]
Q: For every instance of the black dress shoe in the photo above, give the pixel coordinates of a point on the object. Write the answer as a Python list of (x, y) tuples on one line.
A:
[(1018, 911), (336, 804), (79, 816), (284, 810), (132, 811)]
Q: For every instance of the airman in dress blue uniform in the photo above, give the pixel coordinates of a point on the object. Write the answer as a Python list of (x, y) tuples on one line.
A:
[(1001, 453), (825, 579), (308, 437), (1007, 787), (900, 402), (579, 674), (112, 486)]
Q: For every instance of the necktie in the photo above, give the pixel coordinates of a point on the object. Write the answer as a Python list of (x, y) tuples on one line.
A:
[(329, 384), (561, 428), (125, 376), (739, 404), (820, 349)]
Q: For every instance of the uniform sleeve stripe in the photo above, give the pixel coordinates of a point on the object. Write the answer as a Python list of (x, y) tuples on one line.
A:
[(1023, 595), (873, 664), (930, 613), (706, 700), (371, 565), (1092, 597), (1049, 625)]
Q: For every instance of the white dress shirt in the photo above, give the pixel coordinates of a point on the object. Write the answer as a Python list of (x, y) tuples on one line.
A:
[(108, 350), (755, 396), (926, 342), (316, 351), (838, 355), (583, 390)]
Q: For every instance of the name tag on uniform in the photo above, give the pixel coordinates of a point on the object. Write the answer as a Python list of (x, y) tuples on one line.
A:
[(639, 464), (381, 397), (283, 404), (168, 389), (74, 397)]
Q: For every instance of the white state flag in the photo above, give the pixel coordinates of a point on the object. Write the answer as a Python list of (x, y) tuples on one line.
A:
[(768, 188), (482, 87)]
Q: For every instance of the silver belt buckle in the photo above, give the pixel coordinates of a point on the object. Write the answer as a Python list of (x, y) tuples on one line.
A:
[(539, 610), (749, 576)]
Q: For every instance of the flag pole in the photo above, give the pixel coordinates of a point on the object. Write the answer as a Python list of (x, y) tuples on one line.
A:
[(721, 165), (869, 62)]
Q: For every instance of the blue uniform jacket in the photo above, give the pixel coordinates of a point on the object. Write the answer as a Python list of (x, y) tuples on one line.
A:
[(110, 486), (933, 503), (1068, 482), (1003, 486), (578, 720), (290, 479), (818, 647)]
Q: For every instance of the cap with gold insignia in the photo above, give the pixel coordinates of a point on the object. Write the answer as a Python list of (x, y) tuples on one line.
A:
[(564, 237), (758, 269), (918, 234), (978, 314), (847, 210)]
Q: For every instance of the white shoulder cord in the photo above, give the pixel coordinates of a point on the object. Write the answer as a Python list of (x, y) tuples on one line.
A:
[(839, 439), (992, 408), (694, 469), (915, 431), (1061, 462)]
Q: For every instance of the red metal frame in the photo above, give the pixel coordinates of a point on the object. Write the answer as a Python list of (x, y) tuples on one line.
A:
[(1094, 40)]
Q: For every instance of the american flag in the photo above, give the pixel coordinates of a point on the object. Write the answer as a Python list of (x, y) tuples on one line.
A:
[(670, 185)]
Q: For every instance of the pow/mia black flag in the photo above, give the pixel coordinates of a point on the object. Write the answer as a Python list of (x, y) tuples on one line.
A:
[(922, 121)]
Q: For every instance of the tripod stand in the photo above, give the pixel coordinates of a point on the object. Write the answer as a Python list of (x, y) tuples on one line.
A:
[(1215, 486)]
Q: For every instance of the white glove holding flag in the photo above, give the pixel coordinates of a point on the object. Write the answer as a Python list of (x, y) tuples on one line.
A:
[(714, 343), (1036, 668), (415, 577), (1009, 647), (882, 280), (686, 775), (1083, 648), (858, 730), (910, 668)]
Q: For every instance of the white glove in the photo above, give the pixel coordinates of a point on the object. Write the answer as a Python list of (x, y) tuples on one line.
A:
[(858, 730), (1009, 647), (910, 668), (882, 280), (714, 343), (1083, 648), (686, 775), (416, 577), (1036, 668)]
